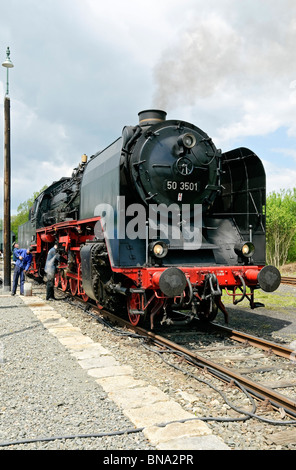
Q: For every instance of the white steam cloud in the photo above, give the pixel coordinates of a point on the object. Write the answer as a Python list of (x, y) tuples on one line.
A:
[(224, 53)]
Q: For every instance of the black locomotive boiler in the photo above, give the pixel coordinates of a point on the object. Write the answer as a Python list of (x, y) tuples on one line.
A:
[(161, 221)]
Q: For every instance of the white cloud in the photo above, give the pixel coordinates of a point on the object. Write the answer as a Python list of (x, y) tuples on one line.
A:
[(286, 152), (83, 70), (236, 64), (278, 178)]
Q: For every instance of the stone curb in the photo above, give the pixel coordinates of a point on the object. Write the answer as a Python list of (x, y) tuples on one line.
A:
[(146, 406)]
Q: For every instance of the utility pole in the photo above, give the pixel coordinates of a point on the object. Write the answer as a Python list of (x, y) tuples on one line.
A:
[(7, 182)]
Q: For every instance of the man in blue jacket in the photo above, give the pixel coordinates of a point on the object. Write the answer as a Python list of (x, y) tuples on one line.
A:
[(22, 264)]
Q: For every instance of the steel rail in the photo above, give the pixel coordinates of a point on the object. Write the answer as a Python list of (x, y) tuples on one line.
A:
[(249, 340), (288, 280), (260, 391)]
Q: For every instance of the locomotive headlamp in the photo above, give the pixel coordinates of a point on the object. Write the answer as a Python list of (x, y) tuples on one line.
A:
[(246, 249), (188, 140), (159, 249)]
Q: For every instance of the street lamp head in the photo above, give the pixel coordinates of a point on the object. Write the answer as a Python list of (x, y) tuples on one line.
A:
[(7, 63)]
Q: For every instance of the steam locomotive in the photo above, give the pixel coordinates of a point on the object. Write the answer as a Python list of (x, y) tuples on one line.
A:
[(159, 223)]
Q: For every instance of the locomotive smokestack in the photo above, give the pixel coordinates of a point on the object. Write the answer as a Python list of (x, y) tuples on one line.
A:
[(151, 116)]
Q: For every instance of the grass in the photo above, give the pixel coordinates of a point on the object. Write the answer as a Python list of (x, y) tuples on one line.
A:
[(270, 300), (273, 300)]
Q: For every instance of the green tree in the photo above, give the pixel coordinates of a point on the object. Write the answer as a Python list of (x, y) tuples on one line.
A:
[(280, 226), (23, 212), (292, 252)]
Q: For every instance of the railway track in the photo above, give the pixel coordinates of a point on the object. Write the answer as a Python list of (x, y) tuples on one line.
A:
[(199, 357), (289, 280)]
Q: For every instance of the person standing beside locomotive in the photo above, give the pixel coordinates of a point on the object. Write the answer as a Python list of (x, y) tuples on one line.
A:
[(52, 260), (22, 264), (15, 248)]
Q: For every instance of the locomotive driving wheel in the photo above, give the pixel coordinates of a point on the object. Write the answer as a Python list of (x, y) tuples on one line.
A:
[(57, 279), (84, 296), (64, 281), (134, 305), (73, 285)]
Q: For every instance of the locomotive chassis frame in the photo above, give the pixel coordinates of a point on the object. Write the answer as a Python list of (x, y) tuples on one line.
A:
[(72, 235)]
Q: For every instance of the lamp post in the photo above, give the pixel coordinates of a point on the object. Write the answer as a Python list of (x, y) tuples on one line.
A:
[(7, 178)]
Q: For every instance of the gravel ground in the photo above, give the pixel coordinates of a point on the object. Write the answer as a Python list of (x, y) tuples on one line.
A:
[(61, 399), (276, 322), (54, 396)]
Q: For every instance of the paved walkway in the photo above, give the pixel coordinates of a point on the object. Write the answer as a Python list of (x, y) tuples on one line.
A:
[(146, 406)]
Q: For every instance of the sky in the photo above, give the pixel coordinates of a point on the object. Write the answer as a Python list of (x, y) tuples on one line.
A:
[(84, 69)]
